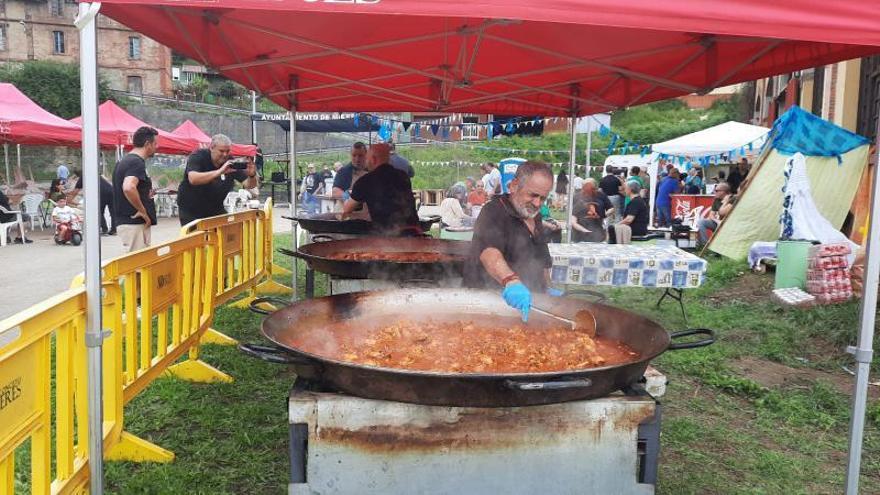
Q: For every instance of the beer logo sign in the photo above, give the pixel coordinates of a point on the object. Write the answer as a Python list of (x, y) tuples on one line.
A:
[(10, 392)]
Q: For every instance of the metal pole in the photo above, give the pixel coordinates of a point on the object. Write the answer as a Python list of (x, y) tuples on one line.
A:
[(6, 159), (18, 158), (589, 143), (292, 173), (863, 353), (86, 23), (253, 122), (573, 124)]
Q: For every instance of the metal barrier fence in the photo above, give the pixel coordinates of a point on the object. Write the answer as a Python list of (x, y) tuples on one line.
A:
[(30, 342), (242, 270), (158, 305)]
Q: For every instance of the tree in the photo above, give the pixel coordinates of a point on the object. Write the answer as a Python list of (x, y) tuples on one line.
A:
[(52, 85), (199, 86)]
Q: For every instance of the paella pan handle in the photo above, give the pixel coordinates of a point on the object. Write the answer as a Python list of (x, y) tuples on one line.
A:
[(538, 386), (291, 252), (275, 301), (710, 338), (271, 354)]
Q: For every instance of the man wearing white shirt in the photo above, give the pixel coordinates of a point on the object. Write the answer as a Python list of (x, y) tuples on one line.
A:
[(491, 179)]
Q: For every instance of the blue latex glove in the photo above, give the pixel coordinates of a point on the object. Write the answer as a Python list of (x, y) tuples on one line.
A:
[(517, 296), (554, 292)]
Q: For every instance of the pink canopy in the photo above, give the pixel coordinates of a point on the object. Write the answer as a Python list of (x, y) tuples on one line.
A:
[(189, 129), (509, 57), (24, 122), (117, 126)]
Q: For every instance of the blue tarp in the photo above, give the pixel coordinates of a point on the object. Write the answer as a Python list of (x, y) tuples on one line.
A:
[(800, 131)]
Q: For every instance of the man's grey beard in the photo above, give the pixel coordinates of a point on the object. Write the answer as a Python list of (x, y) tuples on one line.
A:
[(523, 212)]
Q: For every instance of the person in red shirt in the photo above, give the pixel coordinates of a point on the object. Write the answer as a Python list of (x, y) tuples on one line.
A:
[(477, 196)]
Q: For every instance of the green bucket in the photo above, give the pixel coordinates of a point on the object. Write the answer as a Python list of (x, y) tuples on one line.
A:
[(791, 264)]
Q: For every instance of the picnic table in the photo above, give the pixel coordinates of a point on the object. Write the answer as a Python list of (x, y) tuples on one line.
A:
[(628, 265)]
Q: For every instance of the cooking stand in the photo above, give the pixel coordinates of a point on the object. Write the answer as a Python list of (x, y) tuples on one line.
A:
[(348, 445)]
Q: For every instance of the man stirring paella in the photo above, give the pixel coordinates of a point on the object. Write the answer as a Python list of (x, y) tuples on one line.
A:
[(509, 247)]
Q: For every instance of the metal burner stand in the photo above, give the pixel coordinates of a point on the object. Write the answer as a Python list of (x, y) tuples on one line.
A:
[(343, 445)]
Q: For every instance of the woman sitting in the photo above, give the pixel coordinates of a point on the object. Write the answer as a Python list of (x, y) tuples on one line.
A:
[(451, 212)]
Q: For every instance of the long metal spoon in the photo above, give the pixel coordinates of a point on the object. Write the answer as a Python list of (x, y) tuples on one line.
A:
[(584, 321)]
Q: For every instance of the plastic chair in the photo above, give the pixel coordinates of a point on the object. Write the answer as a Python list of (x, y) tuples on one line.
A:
[(4, 227), (231, 202), (31, 206)]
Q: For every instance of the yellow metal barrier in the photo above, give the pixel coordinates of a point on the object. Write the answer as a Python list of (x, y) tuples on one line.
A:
[(161, 303), (158, 304), (30, 341), (244, 258)]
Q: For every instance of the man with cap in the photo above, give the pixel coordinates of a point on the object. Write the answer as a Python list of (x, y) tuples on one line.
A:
[(509, 247)]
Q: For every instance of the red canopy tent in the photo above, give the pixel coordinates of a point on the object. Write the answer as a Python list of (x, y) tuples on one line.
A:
[(189, 129), (24, 122), (508, 57), (117, 127)]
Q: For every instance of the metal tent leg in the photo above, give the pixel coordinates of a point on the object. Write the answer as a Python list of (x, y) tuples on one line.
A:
[(86, 23)]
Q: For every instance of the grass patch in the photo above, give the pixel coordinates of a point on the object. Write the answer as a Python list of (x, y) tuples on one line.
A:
[(723, 432)]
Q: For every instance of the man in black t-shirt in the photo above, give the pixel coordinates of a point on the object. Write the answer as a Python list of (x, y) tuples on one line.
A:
[(635, 218), (611, 185), (106, 202), (208, 178), (589, 212), (134, 209), (387, 192), (349, 174), (509, 248), (312, 184)]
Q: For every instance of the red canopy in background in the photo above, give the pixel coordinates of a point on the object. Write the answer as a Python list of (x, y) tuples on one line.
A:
[(510, 57), (24, 122), (117, 126), (189, 129)]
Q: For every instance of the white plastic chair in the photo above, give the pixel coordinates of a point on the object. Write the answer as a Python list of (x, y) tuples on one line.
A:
[(31, 205), (231, 202), (4, 227)]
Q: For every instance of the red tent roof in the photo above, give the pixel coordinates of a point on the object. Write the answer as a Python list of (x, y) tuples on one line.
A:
[(117, 126), (190, 130), (24, 122), (512, 57)]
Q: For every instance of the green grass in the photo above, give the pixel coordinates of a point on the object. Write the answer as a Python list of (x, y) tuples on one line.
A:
[(723, 431)]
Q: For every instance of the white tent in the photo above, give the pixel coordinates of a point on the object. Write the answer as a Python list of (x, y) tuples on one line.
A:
[(716, 140), (713, 141)]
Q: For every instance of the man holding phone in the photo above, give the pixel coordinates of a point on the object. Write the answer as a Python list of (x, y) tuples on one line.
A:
[(209, 176)]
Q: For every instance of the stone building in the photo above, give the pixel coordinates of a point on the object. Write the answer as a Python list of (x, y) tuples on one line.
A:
[(44, 30)]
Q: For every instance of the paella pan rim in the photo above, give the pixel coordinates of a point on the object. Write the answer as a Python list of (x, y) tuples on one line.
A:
[(643, 358)]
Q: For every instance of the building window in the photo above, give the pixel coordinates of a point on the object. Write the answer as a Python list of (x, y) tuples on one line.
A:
[(818, 90), (134, 47), (135, 85), (4, 44), (470, 132), (869, 97), (58, 41), (56, 8)]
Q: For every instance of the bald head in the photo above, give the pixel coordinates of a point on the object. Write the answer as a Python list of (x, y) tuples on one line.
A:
[(379, 154)]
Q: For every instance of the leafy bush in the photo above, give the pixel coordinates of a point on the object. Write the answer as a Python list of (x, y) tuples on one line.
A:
[(52, 85)]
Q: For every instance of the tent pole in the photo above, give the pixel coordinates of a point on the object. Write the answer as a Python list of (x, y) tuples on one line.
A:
[(18, 158), (86, 23), (572, 124), (292, 190), (863, 352), (589, 144), (6, 159), (254, 122)]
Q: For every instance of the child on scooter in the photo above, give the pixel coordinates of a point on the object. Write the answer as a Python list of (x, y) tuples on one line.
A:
[(63, 216)]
